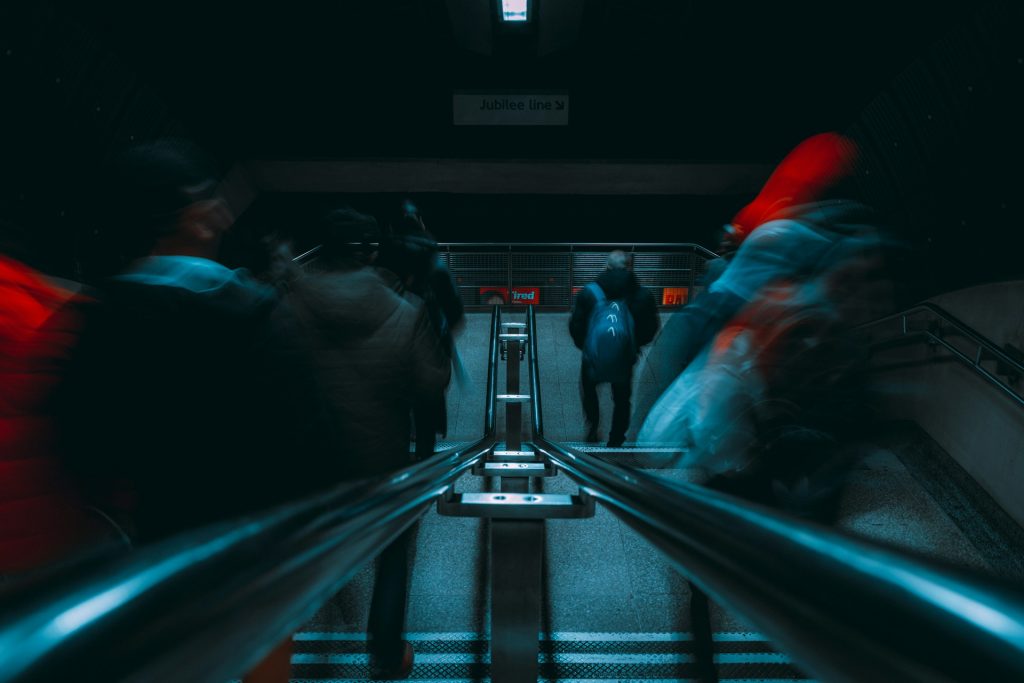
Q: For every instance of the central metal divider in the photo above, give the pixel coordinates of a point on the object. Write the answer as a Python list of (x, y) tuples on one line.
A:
[(516, 512)]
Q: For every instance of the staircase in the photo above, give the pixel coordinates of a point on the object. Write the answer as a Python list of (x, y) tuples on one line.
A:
[(566, 656)]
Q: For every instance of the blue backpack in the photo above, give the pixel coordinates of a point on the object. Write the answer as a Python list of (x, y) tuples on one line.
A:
[(609, 349)]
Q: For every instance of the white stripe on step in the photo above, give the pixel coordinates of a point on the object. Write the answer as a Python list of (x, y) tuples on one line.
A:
[(577, 680), (569, 636), (558, 658)]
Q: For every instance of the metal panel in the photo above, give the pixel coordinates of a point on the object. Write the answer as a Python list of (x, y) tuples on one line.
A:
[(475, 270), (547, 271), (550, 275)]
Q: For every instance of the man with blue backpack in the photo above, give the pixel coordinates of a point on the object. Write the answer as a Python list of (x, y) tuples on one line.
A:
[(613, 317)]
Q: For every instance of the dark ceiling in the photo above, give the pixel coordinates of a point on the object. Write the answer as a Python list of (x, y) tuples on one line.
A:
[(673, 79), (933, 91)]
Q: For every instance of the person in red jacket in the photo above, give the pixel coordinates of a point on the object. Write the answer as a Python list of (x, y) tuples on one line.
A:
[(770, 377), (42, 519)]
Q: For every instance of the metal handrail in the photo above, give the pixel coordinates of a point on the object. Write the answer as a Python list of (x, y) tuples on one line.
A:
[(490, 406), (845, 609), (571, 245), (243, 585), (536, 408), (307, 256), (985, 348)]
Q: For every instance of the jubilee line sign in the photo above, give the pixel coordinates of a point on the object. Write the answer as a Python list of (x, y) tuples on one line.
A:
[(510, 109)]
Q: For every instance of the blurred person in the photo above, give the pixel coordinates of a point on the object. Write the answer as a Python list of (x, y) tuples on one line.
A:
[(726, 249), (613, 317), (768, 240), (43, 517), (768, 375), (437, 286), (764, 350), (191, 397), (379, 357), (411, 252)]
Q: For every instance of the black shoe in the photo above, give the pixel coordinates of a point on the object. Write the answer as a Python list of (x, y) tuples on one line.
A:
[(381, 670), (593, 436), (616, 441)]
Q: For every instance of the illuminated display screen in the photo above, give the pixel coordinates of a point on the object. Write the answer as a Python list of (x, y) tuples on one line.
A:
[(674, 296), (513, 10)]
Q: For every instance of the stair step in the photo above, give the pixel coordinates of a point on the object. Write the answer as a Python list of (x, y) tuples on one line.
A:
[(563, 656), (632, 455), (513, 455), (508, 505), (513, 398), (514, 469), (441, 445), (628, 447)]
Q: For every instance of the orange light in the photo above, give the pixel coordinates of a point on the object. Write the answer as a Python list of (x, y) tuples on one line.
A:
[(674, 296)]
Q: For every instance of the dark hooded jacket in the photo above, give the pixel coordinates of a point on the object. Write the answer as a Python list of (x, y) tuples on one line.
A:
[(415, 256), (191, 398), (377, 354), (617, 284)]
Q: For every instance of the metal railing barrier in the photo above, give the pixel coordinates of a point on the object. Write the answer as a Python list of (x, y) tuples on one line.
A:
[(932, 324), (549, 275)]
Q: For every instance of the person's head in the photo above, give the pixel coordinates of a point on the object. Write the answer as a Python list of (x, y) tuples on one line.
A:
[(411, 254), (618, 260), (409, 208), (348, 234), (408, 224), (811, 172), (408, 220), (728, 241), (169, 202)]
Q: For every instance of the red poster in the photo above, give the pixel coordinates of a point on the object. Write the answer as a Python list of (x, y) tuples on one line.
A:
[(674, 296), (526, 295), (493, 295), (520, 295)]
